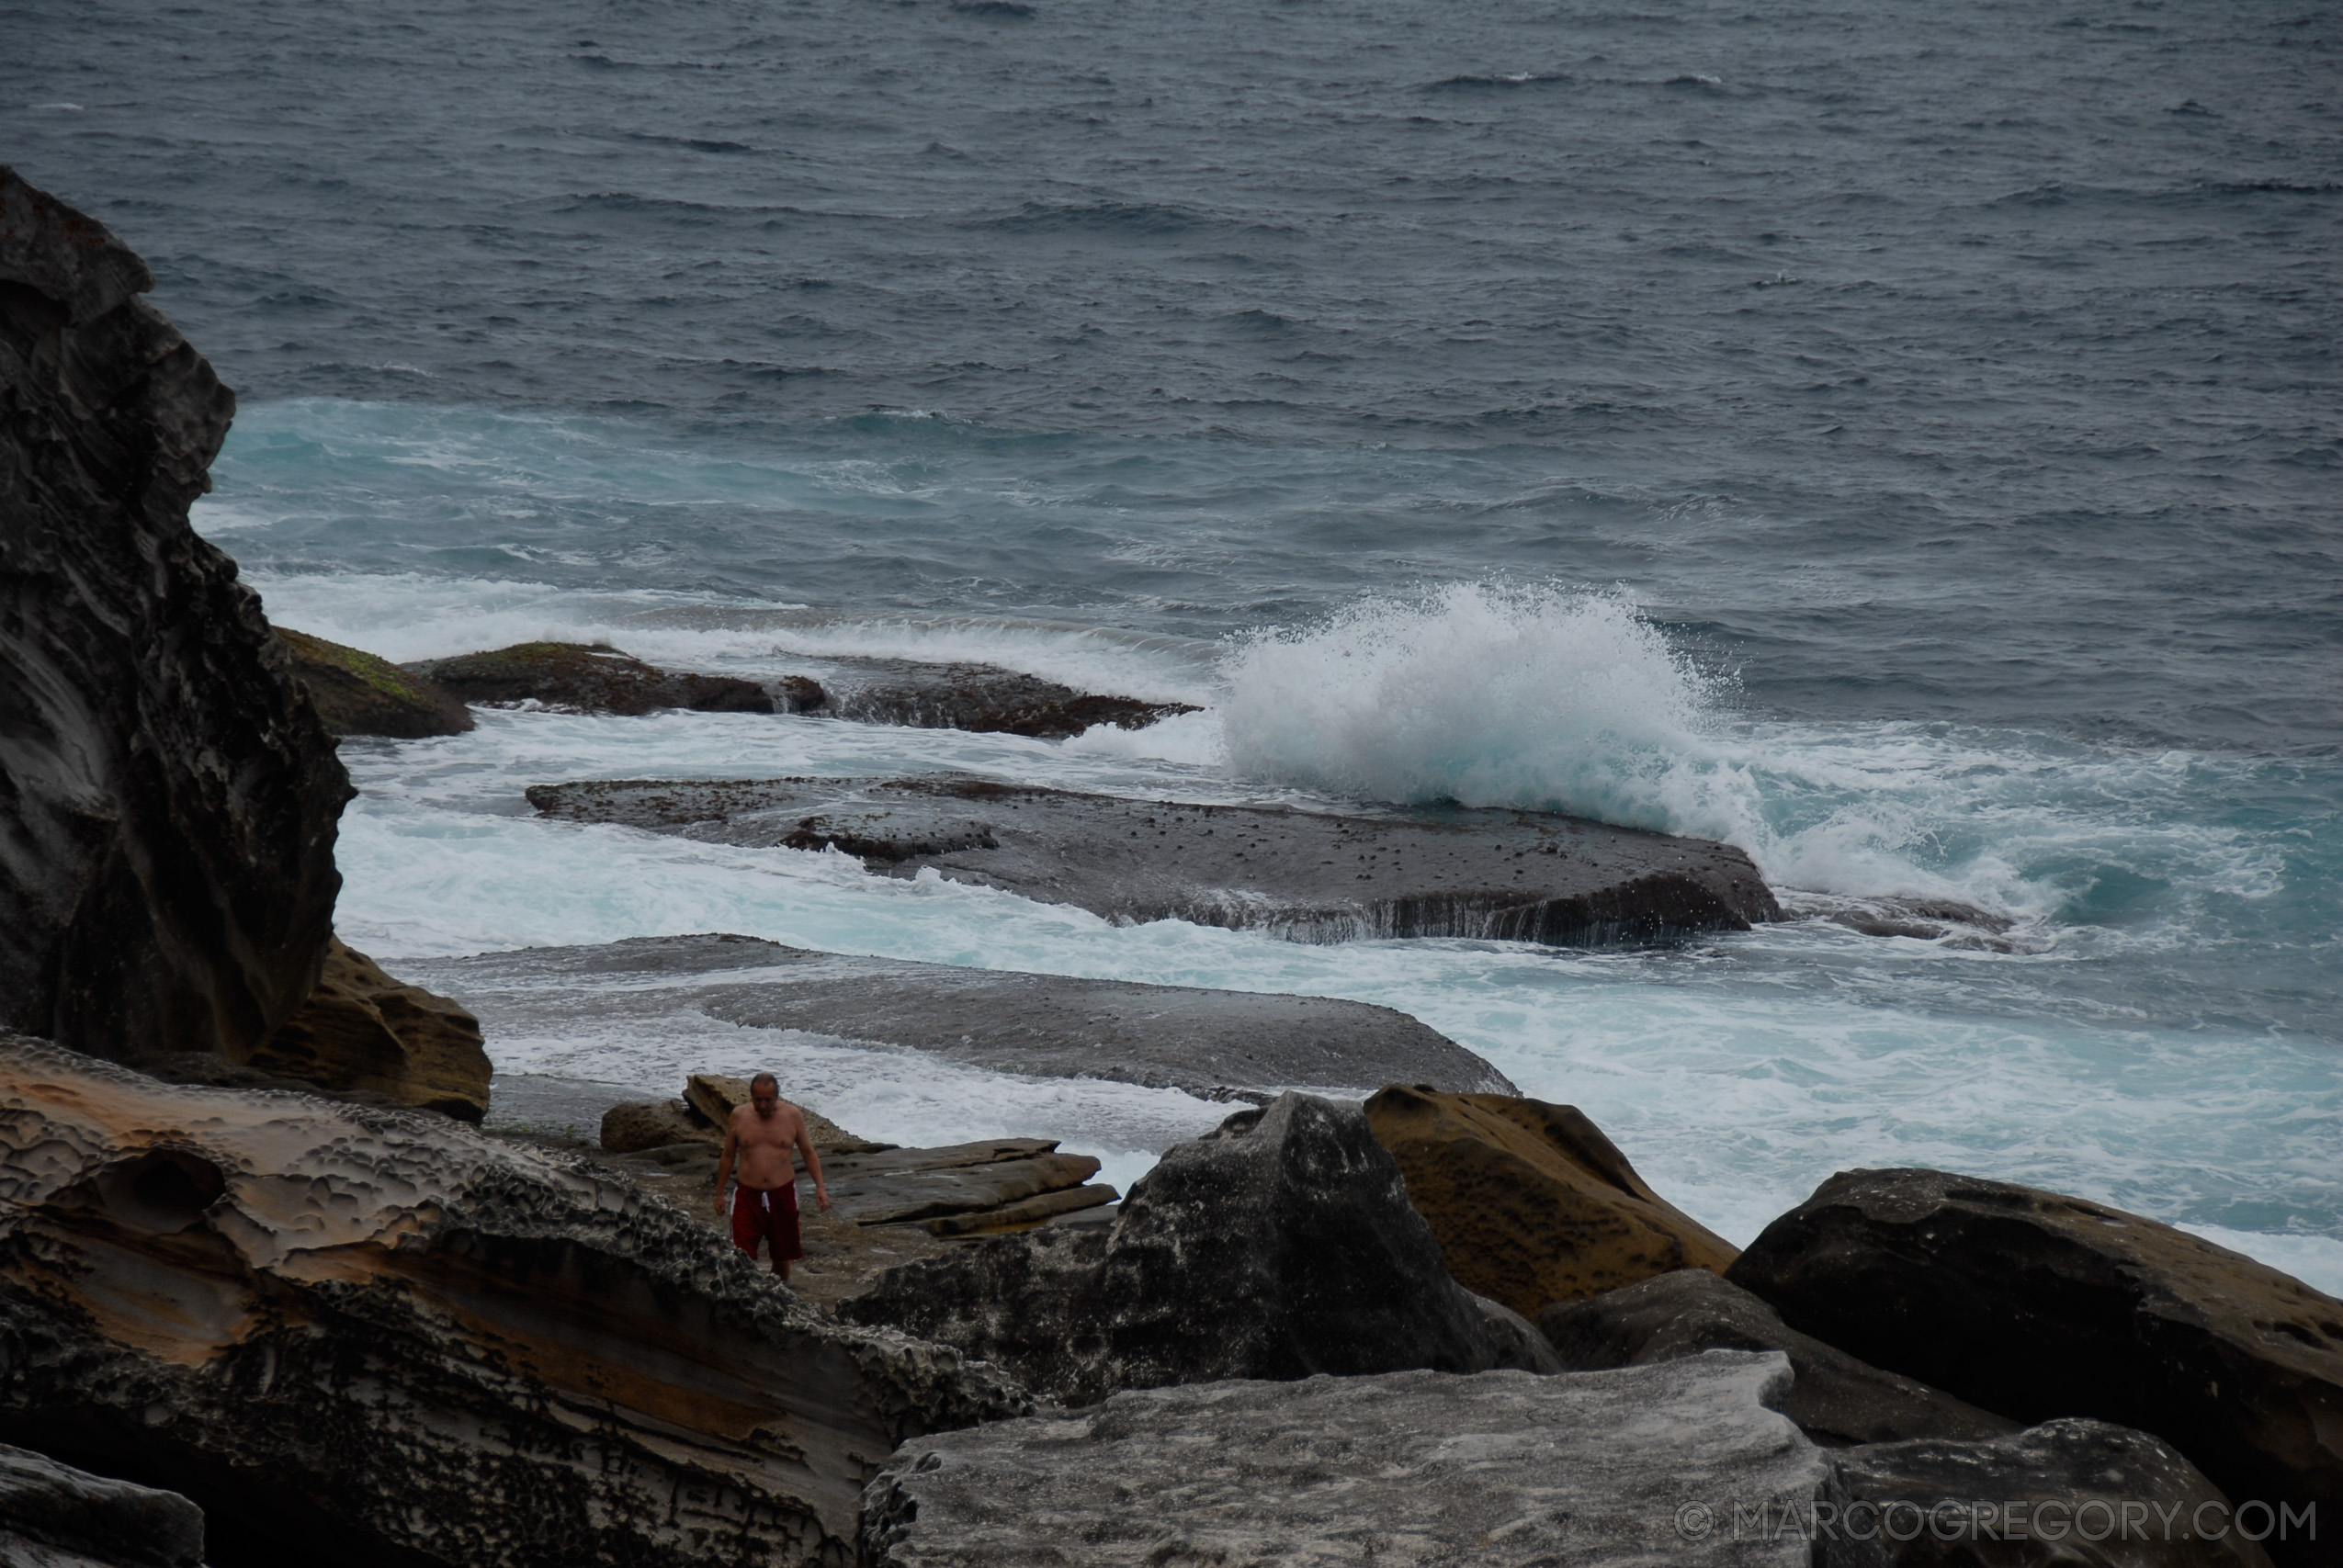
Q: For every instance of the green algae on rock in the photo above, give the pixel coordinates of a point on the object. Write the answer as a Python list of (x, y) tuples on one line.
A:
[(587, 678), (358, 693)]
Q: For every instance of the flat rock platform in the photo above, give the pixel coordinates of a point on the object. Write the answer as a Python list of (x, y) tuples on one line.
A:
[(1311, 877), (1213, 1044)]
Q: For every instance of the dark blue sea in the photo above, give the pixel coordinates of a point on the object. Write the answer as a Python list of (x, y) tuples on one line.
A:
[(1903, 440)]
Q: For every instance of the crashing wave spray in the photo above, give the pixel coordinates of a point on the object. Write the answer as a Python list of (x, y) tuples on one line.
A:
[(1554, 699), (1489, 694)]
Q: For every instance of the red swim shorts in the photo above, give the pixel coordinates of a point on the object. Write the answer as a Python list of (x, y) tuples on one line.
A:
[(761, 1216)]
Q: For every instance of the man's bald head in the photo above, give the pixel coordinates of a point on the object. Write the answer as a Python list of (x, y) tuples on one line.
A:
[(765, 1080)]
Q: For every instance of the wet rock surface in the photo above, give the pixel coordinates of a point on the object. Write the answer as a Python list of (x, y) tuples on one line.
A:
[(1531, 1204), (168, 797), (1409, 1468), (586, 678), (1836, 1400), (2039, 1305), (1509, 876), (53, 1516), (1216, 1044), (379, 1336), (1280, 1246), (358, 693), (2072, 1493), (981, 697)]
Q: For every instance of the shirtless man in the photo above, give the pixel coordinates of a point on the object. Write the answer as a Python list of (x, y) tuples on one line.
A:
[(766, 1134)]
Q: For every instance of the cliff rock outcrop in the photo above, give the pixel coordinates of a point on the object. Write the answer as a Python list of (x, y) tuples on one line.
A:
[(2039, 1305), (168, 797), (1280, 1246), (375, 1338), (1531, 1203)]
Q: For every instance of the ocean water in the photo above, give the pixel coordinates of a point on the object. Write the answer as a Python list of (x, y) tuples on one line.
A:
[(1904, 443)]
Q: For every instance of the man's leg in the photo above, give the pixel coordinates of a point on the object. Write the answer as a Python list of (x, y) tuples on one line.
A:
[(748, 1221), (788, 1244)]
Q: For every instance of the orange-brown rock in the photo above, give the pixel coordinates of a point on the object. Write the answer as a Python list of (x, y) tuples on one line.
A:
[(714, 1097), (1531, 1204), (362, 1031), (641, 1124), (369, 1336)]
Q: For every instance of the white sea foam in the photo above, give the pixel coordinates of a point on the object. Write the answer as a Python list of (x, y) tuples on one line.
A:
[(1737, 1075), (1483, 693), (1555, 699)]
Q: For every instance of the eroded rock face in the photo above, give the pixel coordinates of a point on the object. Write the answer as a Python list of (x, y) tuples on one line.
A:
[(2074, 1493), (1836, 1400), (2039, 1305), (375, 1336), (362, 1031), (53, 1516), (167, 795), (1410, 1467), (586, 679), (1280, 1246), (357, 694), (1531, 1203), (1507, 875)]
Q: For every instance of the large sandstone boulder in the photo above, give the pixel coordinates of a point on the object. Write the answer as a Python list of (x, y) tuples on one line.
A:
[(367, 1335), (586, 678), (363, 1032), (1279, 1246), (713, 1097), (2039, 1305), (640, 1124), (2072, 1493), (53, 1516), (1836, 1400), (358, 693), (1531, 1203), (1405, 1470), (167, 795)]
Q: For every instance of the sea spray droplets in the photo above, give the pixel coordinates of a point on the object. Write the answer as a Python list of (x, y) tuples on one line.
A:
[(1489, 694)]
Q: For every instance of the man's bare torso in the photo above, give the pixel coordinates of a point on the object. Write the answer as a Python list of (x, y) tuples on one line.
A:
[(767, 1146)]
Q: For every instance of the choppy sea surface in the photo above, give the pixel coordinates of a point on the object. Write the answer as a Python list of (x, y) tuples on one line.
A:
[(1905, 441)]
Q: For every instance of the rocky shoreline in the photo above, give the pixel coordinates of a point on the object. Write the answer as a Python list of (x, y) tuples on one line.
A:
[(276, 1286)]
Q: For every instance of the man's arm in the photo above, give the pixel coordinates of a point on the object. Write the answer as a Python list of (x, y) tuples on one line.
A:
[(724, 1165), (813, 1163)]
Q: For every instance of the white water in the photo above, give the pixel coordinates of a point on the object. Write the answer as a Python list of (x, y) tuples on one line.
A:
[(1737, 1074)]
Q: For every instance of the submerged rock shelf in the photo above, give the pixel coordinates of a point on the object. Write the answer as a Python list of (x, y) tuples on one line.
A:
[(1311, 877), (1213, 1044)]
